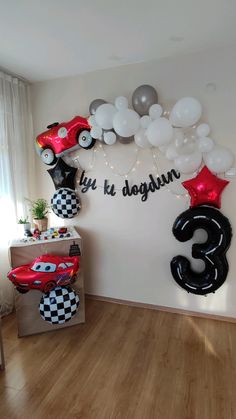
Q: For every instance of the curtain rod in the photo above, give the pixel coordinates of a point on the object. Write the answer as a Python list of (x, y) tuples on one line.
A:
[(10, 73)]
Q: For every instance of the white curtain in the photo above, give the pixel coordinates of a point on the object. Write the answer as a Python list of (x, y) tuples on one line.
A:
[(16, 162)]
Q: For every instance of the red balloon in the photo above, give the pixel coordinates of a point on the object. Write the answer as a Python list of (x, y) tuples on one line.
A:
[(205, 188)]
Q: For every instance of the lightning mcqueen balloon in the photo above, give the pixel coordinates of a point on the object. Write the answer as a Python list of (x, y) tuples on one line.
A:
[(62, 138), (45, 273)]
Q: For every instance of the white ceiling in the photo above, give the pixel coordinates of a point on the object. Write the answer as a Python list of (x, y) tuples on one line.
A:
[(44, 39)]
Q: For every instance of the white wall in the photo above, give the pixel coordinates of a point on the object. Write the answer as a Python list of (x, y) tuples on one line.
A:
[(128, 244)]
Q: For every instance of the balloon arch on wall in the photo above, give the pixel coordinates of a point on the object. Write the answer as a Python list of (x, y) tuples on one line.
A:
[(183, 140), (174, 134)]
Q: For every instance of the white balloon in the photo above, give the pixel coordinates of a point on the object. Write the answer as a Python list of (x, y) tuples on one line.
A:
[(171, 152), (203, 130), (104, 115), (141, 139), (188, 147), (189, 134), (96, 132), (109, 137), (166, 113), (188, 163), (205, 144), (126, 122), (179, 137), (155, 111), (160, 132), (145, 121), (121, 102), (163, 148), (219, 160), (231, 173), (92, 120), (186, 112)]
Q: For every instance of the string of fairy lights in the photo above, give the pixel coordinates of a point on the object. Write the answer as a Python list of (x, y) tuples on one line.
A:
[(111, 166), (101, 148), (156, 165)]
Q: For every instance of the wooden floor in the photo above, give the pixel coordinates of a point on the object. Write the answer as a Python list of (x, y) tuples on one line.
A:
[(124, 363)]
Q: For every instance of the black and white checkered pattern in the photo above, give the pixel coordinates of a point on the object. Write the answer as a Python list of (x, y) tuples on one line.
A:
[(59, 305), (65, 203)]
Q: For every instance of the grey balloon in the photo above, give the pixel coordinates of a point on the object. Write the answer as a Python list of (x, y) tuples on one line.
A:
[(144, 97), (95, 104), (124, 140)]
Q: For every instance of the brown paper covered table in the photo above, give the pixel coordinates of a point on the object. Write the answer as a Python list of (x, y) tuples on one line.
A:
[(28, 317), (2, 362)]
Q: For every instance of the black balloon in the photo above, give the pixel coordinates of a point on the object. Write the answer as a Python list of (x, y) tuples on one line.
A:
[(212, 252), (63, 175)]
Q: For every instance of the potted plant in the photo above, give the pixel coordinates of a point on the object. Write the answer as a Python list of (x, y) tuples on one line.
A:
[(39, 209), (24, 225)]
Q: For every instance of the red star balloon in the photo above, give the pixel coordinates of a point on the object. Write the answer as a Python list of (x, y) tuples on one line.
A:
[(205, 188)]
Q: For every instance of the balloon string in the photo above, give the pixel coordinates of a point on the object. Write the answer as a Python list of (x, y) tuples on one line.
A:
[(76, 160)]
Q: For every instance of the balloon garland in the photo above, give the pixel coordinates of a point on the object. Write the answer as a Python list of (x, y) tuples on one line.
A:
[(65, 203), (176, 135), (182, 141)]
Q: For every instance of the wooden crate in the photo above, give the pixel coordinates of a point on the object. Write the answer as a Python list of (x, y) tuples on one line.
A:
[(29, 321)]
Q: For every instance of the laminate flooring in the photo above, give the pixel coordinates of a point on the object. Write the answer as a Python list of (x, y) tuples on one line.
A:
[(123, 363)]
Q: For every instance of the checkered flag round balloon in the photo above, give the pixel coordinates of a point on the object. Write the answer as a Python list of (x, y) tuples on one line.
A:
[(65, 203), (59, 305)]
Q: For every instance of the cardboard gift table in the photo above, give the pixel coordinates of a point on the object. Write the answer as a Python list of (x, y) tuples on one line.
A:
[(28, 317), (2, 362)]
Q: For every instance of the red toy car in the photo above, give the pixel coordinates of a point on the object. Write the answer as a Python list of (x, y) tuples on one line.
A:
[(45, 273), (63, 138)]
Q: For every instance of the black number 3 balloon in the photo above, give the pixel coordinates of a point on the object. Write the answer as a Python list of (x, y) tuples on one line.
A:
[(212, 252), (204, 189)]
